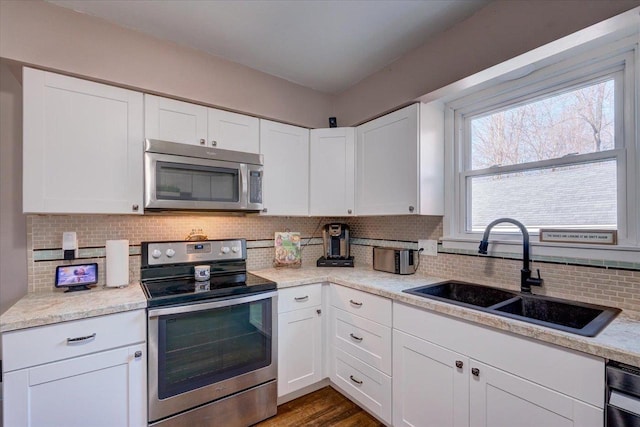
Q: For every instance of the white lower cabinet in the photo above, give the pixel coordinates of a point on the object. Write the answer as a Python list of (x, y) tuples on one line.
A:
[(89, 372), (428, 387), (360, 334), (299, 338), (369, 387), (438, 380), (500, 399), (101, 389)]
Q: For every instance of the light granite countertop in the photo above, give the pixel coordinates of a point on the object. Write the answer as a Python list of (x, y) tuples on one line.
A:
[(55, 306), (619, 341)]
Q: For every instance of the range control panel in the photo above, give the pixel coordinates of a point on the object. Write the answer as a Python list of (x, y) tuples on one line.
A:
[(161, 253)]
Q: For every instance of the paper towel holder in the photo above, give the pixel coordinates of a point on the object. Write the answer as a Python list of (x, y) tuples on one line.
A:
[(117, 263)]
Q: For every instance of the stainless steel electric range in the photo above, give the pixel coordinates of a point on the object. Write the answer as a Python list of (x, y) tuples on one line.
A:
[(212, 356)]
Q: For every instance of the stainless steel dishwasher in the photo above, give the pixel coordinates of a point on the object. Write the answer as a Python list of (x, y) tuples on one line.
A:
[(623, 395)]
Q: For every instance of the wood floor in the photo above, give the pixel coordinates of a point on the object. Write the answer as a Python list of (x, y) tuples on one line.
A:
[(323, 408)]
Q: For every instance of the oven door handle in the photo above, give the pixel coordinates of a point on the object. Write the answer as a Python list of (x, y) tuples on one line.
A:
[(191, 308)]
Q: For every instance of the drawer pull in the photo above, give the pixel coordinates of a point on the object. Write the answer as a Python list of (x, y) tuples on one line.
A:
[(300, 299), (355, 337), (355, 380), (79, 340), (357, 304)]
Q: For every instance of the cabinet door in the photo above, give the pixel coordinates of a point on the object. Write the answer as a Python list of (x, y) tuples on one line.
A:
[(82, 149), (500, 399), (286, 168), (299, 349), (176, 121), (429, 390), (387, 164), (332, 172), (103, 389), (232, 131)]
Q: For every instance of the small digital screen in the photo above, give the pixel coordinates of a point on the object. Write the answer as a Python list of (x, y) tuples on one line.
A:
[(199, 247), (76, 275)]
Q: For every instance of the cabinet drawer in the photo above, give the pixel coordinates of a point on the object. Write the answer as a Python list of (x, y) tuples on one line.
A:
[(299, 297), (368, 386), (35, 346), (366, 340), (369, 306)]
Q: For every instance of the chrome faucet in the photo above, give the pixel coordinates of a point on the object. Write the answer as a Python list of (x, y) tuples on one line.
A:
[(526, 281)]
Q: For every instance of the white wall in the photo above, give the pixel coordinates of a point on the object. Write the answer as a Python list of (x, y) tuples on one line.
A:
[(13, 232)]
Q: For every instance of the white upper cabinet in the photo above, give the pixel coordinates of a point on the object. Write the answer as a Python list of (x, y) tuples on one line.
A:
[(177, 121), (286, 169), (400, 163), (332, 172), (82, 146), (233, 131), (170, 120)]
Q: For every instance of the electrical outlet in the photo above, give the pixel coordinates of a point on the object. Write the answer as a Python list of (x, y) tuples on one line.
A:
[(430, 247)]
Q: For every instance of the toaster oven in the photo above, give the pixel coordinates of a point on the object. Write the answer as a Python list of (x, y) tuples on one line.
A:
[(394, 260)]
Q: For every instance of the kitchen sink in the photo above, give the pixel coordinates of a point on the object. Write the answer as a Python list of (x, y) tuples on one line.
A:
[(464, 293), (580, 318), (569, 316)]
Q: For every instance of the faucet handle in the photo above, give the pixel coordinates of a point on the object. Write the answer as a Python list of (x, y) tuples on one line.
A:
[(536, 281)]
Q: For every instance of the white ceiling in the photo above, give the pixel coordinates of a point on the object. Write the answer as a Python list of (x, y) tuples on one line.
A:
[(325, 45)]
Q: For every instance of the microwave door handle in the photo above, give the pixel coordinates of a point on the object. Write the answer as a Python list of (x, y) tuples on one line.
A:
[(244, 185)]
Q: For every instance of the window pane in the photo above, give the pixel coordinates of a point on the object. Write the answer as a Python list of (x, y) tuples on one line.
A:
[(582, 196), (576, 122)]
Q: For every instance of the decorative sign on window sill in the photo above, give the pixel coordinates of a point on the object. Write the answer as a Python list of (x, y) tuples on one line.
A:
[(594, 237)]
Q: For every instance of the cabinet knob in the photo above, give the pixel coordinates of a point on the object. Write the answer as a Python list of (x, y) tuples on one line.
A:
[(137, 354), (411, 209), (459, 364), (264, 210), (349, 211), (202, 142), (214, 143), (319, 311), (475, 372), (135, 208)]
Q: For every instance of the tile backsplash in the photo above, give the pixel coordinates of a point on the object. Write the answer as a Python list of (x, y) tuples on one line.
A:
[(602, 285)]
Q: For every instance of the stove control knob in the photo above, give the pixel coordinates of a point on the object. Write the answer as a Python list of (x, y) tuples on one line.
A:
[(224, 250), (156, 253), (235, 249), (170, 253)]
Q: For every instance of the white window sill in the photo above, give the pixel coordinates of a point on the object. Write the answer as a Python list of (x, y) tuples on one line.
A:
[(600, 255)]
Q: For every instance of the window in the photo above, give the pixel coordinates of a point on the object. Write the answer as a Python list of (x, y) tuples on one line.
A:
[(548, 161), (556, 148)]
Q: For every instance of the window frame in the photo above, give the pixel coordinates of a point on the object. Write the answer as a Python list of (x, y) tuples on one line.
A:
[(620, 60)]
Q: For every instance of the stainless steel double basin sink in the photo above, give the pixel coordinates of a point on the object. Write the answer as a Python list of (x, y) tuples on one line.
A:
[(569, 316)]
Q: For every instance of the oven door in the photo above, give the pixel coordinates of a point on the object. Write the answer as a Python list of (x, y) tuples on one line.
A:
[(199, 353), (188, 183)]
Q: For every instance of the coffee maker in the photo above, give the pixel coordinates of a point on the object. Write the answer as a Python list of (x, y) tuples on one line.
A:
[(336, 246)]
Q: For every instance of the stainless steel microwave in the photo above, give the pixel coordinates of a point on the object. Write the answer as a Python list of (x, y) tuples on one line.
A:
[(189, 177)]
